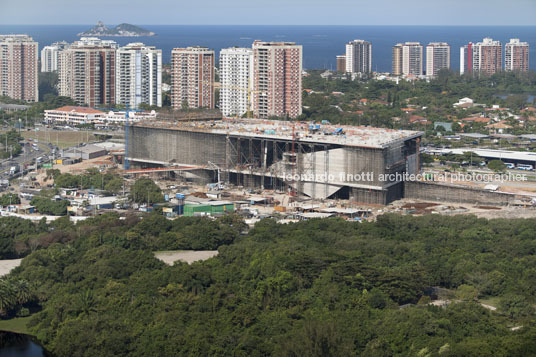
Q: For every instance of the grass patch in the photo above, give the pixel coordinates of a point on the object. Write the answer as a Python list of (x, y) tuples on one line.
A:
[(16, 324), (63, 139), (491, 300)]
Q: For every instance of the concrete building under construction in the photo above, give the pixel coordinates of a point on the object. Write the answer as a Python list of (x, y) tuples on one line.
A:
[(309, 160)]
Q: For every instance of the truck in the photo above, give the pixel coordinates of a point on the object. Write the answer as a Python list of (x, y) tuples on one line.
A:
[(216, 186)]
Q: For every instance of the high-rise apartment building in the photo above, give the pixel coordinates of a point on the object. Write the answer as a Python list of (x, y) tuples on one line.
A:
[(466, 58), (236, 81), (87, 72), (487, 56), (49, 56), (412, 58), (341, 63), (408, 59), (437, 57), (516, 56), (358, 56), (18, 67), (192, 77), (277, 79), (138, 75), (397, 60)]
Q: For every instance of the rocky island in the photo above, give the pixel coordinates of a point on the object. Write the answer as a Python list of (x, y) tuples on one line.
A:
[(121, 30)]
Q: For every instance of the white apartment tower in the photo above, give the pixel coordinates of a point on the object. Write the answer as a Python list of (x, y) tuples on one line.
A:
[(18, 67), (50, 56), (138, 75), (412, 58), (408, 59), (466, 58), (192, 77), (236, 81), (277, 79), (358, 57), (516, 56), (437, 58)]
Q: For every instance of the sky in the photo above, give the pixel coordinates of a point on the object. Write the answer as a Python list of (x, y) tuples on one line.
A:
[(270, 12)]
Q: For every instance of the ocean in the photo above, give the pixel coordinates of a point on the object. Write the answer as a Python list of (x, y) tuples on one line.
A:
[(320, 43)]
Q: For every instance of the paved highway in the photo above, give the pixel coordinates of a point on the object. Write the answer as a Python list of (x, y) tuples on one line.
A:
[(27, 156)]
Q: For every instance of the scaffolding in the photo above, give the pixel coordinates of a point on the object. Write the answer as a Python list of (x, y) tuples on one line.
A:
[(277, 155)]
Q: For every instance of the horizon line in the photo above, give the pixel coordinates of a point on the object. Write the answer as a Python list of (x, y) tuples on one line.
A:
[(290, 25)]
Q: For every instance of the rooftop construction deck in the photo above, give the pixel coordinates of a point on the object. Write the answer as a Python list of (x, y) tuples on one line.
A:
[(309, 159), (283, 130)]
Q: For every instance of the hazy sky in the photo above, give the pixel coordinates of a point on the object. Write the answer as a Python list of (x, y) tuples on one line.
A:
[(271, 12)]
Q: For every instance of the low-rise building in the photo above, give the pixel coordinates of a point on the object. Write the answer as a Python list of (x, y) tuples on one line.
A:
[(208, 208), (120, 117), (85, 152), (73, 115)]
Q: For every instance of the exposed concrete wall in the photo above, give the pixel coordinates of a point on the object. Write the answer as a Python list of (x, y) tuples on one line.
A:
[(243, 154), (433, 191), (183, 147)]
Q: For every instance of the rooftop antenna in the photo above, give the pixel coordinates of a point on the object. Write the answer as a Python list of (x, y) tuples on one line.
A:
[(126, 162)]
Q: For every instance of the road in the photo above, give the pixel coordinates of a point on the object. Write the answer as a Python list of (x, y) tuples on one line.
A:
[(27, 156)]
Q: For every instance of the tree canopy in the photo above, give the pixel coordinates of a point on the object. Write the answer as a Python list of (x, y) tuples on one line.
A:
[(145, 190), (315, 288)]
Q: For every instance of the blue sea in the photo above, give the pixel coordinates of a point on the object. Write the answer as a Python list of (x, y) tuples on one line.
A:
[(320, 43)]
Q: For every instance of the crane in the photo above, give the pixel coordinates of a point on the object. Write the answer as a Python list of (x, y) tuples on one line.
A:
[(126, 162)]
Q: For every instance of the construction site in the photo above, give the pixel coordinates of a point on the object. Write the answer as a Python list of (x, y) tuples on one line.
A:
[(305, 160)]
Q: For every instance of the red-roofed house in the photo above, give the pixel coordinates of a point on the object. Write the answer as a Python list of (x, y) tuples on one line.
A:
[(476, 120), (495, 108), (73, 115), (416, 119), (498, 128)]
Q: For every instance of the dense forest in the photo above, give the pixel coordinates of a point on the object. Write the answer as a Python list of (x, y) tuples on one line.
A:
[(315, 288)]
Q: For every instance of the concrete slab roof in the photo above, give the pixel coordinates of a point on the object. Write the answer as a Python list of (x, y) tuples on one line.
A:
[(360, 136)]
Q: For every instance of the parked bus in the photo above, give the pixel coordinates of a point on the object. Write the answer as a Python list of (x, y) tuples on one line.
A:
[(525, 167)]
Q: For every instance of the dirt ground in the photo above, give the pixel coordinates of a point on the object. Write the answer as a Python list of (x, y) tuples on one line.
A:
[(7, 265), (418, 207), (78, 168), (188, 256)]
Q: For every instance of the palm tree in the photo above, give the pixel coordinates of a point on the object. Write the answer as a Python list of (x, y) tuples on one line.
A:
[(7, 296), (23, 293), (87, 302)]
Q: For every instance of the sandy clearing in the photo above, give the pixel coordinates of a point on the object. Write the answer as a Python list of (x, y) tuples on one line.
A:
[(187, 256), (7, 265)]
